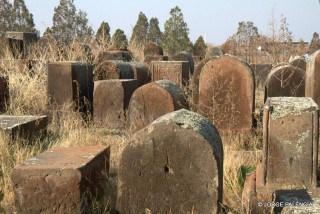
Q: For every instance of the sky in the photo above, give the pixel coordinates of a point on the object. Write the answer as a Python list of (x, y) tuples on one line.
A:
[(216, 20)]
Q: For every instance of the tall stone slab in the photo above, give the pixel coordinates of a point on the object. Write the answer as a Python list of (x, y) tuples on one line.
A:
[(174, 165), (4, 93), (226, 94)]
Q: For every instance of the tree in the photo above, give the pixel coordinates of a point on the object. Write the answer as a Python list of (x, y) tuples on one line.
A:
[(154, 32), (285, 39), (68, 24), (315, 43), (103, 33), (200, 47), (23, 19), (5, 16), (176, 34), (140, 30), (119, 40)]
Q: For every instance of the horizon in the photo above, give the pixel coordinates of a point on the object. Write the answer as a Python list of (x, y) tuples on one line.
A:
[(223, 25)]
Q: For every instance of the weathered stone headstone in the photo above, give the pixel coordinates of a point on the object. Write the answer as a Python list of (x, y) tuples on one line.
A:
[(19, 42), (4, 93), (174, 165), (290, 150), (110, 102), (152, 101), (184, 56), (285, 81), (113, 55), (226, 94), (152, 49), (61, 180), (122, 70), (25, 127), (70, 84), (261, 72), (313, 77), (299, 62), (175, 71), (195, 82)]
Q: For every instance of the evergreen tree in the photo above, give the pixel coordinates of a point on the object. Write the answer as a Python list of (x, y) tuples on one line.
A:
[(200, 47), (140, 30), (5, 16), (315, 43), (119, 40), (68, 24), (103, 33), (154, 33), (23, 19), (176, 33)]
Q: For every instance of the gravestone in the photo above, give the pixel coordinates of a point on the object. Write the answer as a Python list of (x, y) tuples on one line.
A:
[(174, 165), (113, 55), (110, 102), (20, 42), (299, 62), (25, 127), (152, 101), (313, 77), (261, 72), (61, 180), (184, 56), (285, 81), (175, 71), (290, 150), (122, 70), (152, 49), (4, 93), (226, 94), (70, 84)]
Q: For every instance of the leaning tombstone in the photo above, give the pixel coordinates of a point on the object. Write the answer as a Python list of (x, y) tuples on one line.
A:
[(152, 101), (285, 81), (313, 77), (175, 71), (70, 84), (20, 42), (226, 94), (290, 150), (61, 180), (110, 102), (158, 166)]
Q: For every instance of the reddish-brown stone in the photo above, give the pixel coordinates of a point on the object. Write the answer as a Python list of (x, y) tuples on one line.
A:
[(110, 102), (25, 127), (70, 84), (174, 165), (285, 81), (226, 94), (122, 70), (313, 77), (61, 180), (249, 193), (4, 93), (175, 71), (152, 101)]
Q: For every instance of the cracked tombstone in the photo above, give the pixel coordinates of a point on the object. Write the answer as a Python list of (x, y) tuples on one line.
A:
[(290, 148), (63, 180), (70, 84), (152, 101), (110, 102), (175, 71), (285, 81), (173, 165), (313, 77), (226, 94)]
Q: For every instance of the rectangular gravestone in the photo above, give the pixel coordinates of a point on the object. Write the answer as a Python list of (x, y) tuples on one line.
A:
[(25, 127), (111, 100), (61, 180), (175, 71), (4, 93), (19, 42), (70, 84)]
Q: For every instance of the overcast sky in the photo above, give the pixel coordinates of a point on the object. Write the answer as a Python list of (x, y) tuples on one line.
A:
[(216, 20)]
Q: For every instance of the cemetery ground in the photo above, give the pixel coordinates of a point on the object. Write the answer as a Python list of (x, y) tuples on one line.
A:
[(28, 96)]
